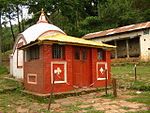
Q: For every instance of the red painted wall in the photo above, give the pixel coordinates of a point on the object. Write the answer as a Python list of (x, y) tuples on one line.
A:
[(42, 67), (47, 58), (100, 83), (34, 67)]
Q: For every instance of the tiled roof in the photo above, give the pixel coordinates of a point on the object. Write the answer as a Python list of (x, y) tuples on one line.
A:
[(114, 31), (62, 38)]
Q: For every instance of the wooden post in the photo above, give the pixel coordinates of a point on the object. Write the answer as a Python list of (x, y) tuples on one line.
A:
[(135, 72), (115, 43), (106, 81), (51, 93), (114, 87), (127, 48)]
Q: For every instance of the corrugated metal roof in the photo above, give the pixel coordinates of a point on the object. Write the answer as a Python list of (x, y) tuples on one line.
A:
[(114, 31), (62, 38)]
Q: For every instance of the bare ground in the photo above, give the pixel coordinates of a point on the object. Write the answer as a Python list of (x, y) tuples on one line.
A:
[(83, 103)]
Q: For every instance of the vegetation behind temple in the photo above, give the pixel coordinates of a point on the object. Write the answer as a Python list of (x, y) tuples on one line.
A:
[(75, 17)]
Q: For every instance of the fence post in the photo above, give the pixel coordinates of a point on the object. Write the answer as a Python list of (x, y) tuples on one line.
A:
[(51, 94), (106, 81), (114, 87), (135, 72)]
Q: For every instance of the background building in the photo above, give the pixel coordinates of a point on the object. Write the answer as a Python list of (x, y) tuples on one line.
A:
[(132, 41)]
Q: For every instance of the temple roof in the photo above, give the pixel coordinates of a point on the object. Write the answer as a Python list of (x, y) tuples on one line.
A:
[(69, 40), (42, 18), (41, 27), (43, 31)]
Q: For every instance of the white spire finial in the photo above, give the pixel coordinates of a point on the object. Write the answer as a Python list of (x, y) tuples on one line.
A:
[(42, 18)]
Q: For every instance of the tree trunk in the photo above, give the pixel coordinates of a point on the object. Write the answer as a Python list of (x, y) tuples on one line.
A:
[(22, 20), (19, 26), (98, 8), (11, 27), (0, 39)]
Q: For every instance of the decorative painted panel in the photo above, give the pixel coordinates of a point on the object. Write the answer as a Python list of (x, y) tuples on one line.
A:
[(58, 72), (32, 78), (101, 68)]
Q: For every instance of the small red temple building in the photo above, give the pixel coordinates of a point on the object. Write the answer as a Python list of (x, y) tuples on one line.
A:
[(55, 58)]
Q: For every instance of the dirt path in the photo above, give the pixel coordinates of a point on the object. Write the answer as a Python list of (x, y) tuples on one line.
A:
[(84, 103)]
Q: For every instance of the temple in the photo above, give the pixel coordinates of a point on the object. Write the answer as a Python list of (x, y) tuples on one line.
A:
[(44, 56)]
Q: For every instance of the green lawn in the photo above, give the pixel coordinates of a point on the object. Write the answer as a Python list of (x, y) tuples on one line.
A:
[(125, 75), (12, 100), (125, 79), (6, 84), (143, 97)]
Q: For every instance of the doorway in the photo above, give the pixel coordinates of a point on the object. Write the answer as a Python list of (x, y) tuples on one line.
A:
[(82, 67)]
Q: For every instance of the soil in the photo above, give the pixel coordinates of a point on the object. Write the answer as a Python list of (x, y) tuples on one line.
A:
[(92, 100)]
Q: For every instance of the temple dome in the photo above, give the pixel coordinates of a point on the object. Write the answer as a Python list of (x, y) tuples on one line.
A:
[(38, 29)]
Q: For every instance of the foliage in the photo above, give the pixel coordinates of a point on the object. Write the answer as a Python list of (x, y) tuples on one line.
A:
[(3, 70), (75, 17), (116, 13), (90, 24)]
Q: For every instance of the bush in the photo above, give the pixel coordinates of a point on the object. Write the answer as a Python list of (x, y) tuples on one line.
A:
[(3, 70)]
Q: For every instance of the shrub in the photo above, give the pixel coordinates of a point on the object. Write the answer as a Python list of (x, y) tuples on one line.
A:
[(3, 70)]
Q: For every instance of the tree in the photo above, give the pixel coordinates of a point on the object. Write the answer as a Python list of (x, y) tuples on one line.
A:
[(0, 39), (114, 13)]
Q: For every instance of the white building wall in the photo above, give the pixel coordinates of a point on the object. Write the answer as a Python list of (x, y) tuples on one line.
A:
[(145, 47), (144, 42), (18, 71), (11, 64)]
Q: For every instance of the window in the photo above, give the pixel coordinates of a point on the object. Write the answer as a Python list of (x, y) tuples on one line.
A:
[(80, 53), (57, 51), (77, 53), (100, 54), (33, 52), (84, 54), (146, 31)]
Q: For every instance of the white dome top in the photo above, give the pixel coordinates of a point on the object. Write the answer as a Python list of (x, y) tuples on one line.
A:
[(33, 32)]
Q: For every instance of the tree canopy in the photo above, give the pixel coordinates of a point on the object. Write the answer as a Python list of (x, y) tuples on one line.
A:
[(75, 17)]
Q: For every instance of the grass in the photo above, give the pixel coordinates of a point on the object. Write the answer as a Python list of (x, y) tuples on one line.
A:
[(140, 112), (14, 99), (143, 97), (72, 107), (9, 101), (94, 111), (125, 108), (75, 108), (125, 78), (108, 96), (125, 75), (8, 84)]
